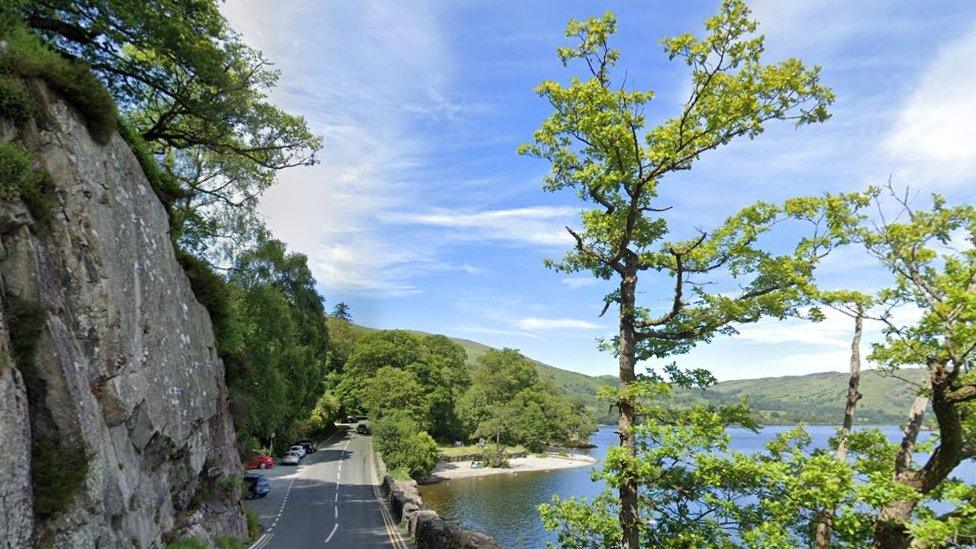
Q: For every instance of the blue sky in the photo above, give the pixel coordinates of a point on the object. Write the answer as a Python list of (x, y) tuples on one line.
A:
[(422, 216)]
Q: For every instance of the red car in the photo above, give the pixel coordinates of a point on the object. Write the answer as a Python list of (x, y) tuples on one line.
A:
[(261, 461)]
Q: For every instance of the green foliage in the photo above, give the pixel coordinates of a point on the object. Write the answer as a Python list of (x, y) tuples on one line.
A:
[(393, 389), (59, 469), (191, 542), (201, 104), (277, 367), (25, 178), (28, 57), (25, 319), (509, 402), (253, 523), (430, 375), (214, 294), (15, 101), (404, 445), (230, 542), (166, 187), (321, 420)]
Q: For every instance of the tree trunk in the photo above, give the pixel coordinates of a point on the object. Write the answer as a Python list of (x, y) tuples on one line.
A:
[(889, 530), (630, 528), (822, 539)]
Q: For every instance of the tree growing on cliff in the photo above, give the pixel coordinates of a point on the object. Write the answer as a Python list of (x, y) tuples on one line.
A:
[(196, 93), (598, 145)]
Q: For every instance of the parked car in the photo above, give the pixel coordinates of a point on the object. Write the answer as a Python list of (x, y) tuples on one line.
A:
[(256, 486), (298, 449), (291, 458), (362, 429), (261, 461), (351, 419), (308, 445)]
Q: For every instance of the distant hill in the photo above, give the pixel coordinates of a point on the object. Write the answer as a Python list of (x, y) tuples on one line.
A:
[(814, 399), (818, 399)]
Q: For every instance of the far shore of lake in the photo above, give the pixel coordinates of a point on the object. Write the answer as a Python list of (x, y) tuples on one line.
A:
[(451, 470)]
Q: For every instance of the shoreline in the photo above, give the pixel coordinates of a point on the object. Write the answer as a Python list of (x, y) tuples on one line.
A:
[(446, 471)]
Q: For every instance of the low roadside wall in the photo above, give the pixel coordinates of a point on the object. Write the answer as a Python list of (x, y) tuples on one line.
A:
[(427, 528)]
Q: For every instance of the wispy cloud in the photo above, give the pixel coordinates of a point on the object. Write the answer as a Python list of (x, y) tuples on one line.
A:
[(543, 225), (361, 75), (577, 282), (934, 138), (554, 324)]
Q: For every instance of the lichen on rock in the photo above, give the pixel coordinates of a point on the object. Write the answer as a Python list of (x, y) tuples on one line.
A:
[(124, 370)]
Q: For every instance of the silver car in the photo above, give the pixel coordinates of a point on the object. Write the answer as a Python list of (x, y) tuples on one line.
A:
[(291, 458)]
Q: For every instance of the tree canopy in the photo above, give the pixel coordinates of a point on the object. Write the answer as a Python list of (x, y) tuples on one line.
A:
[(598, 144), (196, 94)]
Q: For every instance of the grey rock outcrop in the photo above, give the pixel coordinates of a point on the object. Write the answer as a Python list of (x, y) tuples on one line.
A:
[(125, 366)]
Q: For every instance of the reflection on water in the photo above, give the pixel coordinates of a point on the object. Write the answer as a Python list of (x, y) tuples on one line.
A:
[(504, 506)]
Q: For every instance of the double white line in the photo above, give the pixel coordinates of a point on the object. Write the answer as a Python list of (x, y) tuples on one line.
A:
[(391, 529)]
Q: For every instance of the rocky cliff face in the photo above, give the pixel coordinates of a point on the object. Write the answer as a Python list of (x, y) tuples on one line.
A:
[(124, 384)]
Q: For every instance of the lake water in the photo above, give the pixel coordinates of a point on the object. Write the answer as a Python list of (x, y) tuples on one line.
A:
[(504, 506)]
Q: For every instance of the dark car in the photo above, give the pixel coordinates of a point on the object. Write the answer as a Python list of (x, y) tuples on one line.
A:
[(308, 445), (362, 429), (351, 419), (256, 486)]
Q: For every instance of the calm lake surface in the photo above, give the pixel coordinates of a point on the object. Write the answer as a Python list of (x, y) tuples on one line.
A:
[(504, 506)]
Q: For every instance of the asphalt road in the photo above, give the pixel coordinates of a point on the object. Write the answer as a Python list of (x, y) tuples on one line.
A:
[(330, 499)]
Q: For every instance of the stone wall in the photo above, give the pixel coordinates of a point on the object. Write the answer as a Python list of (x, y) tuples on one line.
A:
[(427, 528), (125, 369)]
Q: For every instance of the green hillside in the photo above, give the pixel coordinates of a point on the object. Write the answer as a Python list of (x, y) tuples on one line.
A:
[(814, 399), (818, 399)]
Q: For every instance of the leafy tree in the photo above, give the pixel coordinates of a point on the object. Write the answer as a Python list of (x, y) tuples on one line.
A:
[(598, 145), (937, 277), (343, 337), (404, 446), (276, 374), (510, 403), (341, 311), (196, 93), (433, 365), (395, 390)]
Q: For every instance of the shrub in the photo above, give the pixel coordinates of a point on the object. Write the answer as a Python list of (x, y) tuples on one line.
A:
[(166, 187), (230, 542), (494, 455), (404, 446), (27, 56), (191, 542), (26, 321), (21, 176), (213, 293), (58, 473), (15, 101), (253, 524)]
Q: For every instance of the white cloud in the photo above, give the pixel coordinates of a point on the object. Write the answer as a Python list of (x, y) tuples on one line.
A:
[(542, 225), (577, 282), (550, 324), (361, 74), (835, 331), (487, 330), (934, 138)]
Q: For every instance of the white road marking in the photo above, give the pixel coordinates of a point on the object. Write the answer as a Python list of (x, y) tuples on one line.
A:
[(332, 533), (336, 512)]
